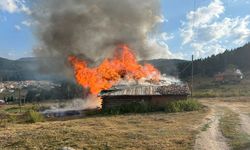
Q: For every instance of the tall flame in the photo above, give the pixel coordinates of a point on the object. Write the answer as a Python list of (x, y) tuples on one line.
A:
[(123, 65)]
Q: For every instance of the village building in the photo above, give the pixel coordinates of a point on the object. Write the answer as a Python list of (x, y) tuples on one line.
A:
[(154, 95), (230, 75)]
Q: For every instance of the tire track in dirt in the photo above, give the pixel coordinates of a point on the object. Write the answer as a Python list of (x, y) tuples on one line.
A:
[(245, 123), (211, 138), (244, 118)]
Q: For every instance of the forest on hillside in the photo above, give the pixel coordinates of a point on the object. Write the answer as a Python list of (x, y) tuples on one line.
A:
[(209, 66)]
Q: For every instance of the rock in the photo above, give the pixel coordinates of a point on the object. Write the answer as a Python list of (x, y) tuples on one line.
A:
[(67, 148)]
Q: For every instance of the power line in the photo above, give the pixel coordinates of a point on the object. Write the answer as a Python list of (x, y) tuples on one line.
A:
[(185, 68)]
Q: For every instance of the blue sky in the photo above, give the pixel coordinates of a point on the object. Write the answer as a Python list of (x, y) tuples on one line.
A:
[(214, 25)]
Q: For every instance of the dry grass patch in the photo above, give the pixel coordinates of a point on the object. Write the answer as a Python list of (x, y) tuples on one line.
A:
[(230, 127), (132, 131)]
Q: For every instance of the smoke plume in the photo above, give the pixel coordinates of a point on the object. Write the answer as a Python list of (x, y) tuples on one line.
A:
[(92, 28)]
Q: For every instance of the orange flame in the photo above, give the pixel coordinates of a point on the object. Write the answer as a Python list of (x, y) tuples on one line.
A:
[(110, 71)]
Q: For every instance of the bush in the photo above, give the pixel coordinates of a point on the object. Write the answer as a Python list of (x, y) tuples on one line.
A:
[(33, 116), (143, 107), (182, 105)]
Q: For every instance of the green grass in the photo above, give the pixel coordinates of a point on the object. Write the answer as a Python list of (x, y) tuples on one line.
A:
[(206, 87), (229, 125), (33, 116), (182, 105), (206, 126), (143, 107), (29, 113), (24, 108), (219, 91)]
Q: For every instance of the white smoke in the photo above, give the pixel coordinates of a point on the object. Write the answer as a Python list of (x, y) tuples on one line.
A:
[(92, 102), (163, 81)]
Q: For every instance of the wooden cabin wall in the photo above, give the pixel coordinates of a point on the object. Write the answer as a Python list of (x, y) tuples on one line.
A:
[(157, 101)]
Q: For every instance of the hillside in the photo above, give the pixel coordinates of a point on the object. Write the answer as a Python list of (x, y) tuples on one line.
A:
[(218, 63), (21, 69), (166, 66), (30, 68)]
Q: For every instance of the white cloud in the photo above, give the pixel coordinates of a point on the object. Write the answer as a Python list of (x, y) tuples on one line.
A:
[(199, 18), (236, 29), (8, 5), (163, 50), (206, 32), (242, 30), (14, 6), (166, 36), (10, 54), (202, 49), (17, 27), (160, 43), (160, 19), (205, 15), (27, 23)]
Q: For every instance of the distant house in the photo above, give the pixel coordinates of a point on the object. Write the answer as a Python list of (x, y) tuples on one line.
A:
[(230, 75), (156, 96)]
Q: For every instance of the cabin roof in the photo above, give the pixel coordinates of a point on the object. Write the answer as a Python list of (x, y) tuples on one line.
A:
[(139, 90)]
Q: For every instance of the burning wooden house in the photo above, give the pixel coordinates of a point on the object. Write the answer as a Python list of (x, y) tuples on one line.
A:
[(154, 95), (149, 85)]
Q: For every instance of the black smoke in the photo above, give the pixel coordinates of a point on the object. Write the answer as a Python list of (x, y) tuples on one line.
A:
[(93, 28)]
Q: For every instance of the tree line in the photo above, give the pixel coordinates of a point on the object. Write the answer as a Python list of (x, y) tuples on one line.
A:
[(209, 66)]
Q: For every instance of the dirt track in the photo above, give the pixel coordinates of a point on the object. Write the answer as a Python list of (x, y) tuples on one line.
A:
[(211, 137)]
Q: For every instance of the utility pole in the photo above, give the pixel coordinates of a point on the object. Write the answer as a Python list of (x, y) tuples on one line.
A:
[(192, 82), (19, 98)]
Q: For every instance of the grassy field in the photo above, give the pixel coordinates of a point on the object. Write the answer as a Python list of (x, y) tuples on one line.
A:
[(157, 130), (132, 131), (206, 87)]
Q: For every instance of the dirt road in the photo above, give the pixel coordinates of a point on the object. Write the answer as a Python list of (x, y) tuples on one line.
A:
[(211, 136)]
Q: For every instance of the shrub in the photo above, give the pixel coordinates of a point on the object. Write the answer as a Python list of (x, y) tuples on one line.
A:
[(143, 107), (33, 116), (182, 105)]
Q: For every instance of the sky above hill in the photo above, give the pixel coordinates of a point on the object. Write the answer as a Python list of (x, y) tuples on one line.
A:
[(199, 27)]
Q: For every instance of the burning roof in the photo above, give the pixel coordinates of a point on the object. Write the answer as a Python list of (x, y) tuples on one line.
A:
[(123, 75), (142, 90), (123, 65)]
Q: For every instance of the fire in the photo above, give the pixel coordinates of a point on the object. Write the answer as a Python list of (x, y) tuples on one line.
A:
[(123, 65)]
